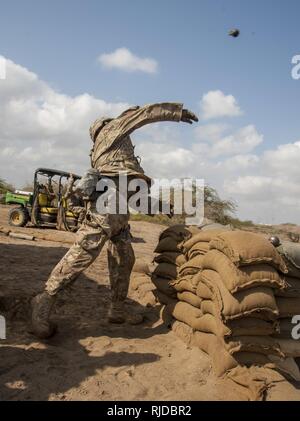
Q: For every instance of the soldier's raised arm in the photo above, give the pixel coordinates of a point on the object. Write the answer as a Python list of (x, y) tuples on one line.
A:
[(137, 117)]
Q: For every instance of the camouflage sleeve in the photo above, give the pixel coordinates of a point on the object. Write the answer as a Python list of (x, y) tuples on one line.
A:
[(153, 113)]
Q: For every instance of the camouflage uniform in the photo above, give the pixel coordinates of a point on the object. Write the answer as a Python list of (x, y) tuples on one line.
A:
[(74, 202), (112, 153), (113, 150), (90, 239)]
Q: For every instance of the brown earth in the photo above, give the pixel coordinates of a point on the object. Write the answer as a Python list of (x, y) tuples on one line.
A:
[(90, 359)]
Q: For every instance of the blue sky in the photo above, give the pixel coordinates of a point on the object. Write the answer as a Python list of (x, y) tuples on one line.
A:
[(60, 42)]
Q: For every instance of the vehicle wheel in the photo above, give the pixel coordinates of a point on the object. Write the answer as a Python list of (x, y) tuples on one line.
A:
[(18, 217)]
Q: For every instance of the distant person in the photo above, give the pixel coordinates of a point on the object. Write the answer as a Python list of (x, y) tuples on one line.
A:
[(74, 201)]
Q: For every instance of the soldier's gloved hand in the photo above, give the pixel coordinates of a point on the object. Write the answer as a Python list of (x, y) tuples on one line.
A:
[(188, 116)]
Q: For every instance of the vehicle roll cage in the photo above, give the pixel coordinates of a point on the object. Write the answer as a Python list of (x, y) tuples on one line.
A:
[(50, 173)]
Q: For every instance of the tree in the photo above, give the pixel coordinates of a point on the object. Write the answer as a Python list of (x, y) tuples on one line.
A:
[(217, 209)]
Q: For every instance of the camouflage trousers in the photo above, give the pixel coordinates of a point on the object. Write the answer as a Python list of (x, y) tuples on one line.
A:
[(95, 231)]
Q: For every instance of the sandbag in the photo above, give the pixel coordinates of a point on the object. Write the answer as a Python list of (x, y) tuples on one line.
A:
[(291, 289), (254, 382), (172, 257), (164, 286), (285, 328), (198, 248), (203, 291), (179, 232), (291, 254), (186, 313), (203, 236), (261, 344), (243, 361), (141, 266), (168, 244), (236, 279), (265, 345), (209, 324), (191, 267), (245, 248), (288, 307), (287, 366), (210, 344), (258, 301), (250, 326), (166, 270), (251, 358), (190, 298), (239, 327), (289, 347), (187, 283), (224, 353), (163, 298)]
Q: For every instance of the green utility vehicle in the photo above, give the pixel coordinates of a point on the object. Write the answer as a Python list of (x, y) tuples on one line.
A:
[(45, 206)]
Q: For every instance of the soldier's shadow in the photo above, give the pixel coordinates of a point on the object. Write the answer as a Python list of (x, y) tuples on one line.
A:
[(85, 307), (43, 374), (41, 370)]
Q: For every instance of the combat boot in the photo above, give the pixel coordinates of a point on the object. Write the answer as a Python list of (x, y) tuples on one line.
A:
[(118, 314), (41, 306)]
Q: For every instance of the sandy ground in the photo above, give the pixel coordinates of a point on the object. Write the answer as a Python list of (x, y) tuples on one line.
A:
[(90, 359)]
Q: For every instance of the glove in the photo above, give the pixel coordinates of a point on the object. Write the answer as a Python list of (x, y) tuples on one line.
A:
[(188, 116)]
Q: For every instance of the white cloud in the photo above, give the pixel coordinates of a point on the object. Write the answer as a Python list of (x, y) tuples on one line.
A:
[(210, 132), (284, 157), (2, 68), (240, 162), (216, 104), (42, 127), (241, 141), (166, 160), (124, 59), (266, 186), (250, 185), (271, 188)]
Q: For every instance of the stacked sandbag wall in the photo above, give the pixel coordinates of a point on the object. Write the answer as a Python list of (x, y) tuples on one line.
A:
[(227, 300)]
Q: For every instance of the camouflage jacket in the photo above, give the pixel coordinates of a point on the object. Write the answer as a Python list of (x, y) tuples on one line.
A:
[(113, 150)]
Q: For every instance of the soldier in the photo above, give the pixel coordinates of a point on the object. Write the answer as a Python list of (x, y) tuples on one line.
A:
[(75, 203), (112, 154)]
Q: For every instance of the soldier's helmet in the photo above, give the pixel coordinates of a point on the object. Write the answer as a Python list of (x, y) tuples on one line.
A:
[(275, 241), (97, 126)]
